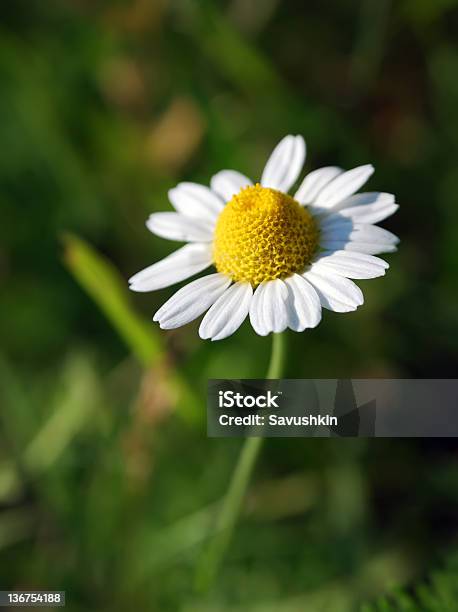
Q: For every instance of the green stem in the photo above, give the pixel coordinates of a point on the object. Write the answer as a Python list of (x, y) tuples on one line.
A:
[(277, 357), (232, 503)]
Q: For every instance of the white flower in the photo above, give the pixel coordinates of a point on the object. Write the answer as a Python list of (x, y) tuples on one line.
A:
[(279, 259)]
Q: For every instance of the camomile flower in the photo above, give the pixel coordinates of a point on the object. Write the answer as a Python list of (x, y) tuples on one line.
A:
[(279, 258)]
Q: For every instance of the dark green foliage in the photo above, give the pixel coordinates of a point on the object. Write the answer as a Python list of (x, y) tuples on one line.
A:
[(438, 594), (108, 483)]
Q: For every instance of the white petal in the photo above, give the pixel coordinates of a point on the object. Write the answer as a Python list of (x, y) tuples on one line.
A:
[(228, 183), (193, 200), (344, 234), (191, 301), (285, 164), (336, 292), (268, 312), (370, 248), (304, 307), (361, 199), (350, 264), (314, 182), (378, 210), (181, 264), (343, 186), (256, 313), (228, 313), (174, 226), (343, 228), (373, 233), (333, 220), (275, 301)]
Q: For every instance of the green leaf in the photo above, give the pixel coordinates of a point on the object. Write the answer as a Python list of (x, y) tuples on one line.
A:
[(438, 594), (102, 282)]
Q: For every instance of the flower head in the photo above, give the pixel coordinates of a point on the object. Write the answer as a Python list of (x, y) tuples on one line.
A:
[(263, 234), (278, 258)]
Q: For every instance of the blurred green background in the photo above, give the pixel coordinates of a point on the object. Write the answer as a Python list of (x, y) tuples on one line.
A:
[(108, 484)]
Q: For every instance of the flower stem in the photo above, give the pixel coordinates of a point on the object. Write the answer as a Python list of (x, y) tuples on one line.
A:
[(277, 357), (232, 503)]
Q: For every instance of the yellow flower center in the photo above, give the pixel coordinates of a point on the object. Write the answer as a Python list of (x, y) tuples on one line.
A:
[(263, 234)]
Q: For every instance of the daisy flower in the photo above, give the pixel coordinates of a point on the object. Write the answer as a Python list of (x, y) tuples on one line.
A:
[(279, 258)]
